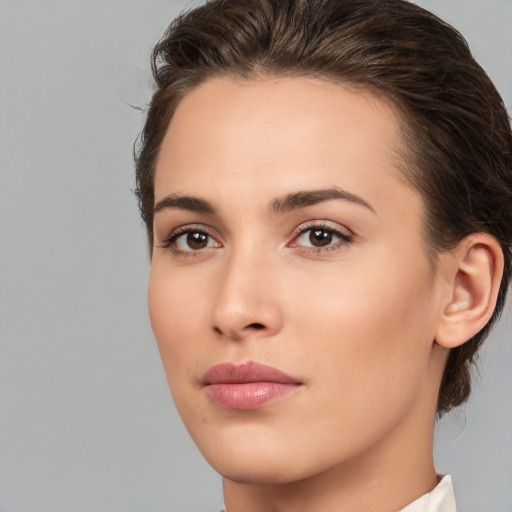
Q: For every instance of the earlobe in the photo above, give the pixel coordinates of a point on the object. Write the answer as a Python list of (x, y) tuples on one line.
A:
[(474, 282)]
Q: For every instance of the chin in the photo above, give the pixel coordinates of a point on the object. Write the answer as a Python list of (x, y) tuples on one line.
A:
[(261, 472), (264, 459), (252, 465)]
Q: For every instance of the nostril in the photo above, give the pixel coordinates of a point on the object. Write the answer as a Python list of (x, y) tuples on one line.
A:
[(235, 330), (256, 326)]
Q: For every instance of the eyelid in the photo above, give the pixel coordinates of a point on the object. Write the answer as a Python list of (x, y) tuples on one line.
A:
[(167, 242), (345, 234)]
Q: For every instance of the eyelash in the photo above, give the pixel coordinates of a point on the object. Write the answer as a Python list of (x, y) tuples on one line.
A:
[(344, 239), (171, 240)]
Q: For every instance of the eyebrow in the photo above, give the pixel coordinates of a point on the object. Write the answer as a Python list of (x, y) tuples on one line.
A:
[(193, 204), (306, 198), (290, 202)]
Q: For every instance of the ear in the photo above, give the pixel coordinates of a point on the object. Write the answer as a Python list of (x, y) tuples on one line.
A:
[(473, 276)]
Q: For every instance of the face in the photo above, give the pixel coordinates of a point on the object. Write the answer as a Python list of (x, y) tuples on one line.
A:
[(290, 293)]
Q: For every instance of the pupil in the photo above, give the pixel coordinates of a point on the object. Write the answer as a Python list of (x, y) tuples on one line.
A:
[(320, 237), (197, 240)]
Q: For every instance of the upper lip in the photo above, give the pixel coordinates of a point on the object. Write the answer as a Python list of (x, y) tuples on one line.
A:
[(231, 373)]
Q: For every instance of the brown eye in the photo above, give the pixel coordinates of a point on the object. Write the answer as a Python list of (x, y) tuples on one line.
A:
[(320, 237), (197, 240), (191, 240)]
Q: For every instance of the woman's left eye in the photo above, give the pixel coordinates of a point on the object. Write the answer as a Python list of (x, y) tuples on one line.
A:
[(319, 237)]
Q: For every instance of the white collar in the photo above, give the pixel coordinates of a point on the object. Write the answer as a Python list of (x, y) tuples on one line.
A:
[(440, 499)]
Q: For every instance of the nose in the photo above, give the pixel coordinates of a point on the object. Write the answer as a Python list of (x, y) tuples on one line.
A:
[(247, 303)]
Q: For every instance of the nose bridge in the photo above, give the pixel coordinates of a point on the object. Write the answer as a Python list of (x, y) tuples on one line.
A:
[(246, 304)]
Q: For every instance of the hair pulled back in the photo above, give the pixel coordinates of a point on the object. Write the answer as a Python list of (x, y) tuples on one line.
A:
[(456, 129)]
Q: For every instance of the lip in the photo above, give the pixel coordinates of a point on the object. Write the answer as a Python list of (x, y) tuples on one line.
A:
[(247, 386)]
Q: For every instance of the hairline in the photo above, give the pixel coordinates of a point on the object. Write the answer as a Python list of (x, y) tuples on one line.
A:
[(404, 160)]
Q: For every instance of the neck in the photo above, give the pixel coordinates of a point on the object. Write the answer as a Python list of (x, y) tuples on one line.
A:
[(385, 479), (379, 487)]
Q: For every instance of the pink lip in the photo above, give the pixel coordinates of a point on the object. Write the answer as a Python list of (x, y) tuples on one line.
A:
[(247, 386)]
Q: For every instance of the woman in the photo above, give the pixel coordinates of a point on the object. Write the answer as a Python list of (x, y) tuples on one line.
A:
[(327, 189)]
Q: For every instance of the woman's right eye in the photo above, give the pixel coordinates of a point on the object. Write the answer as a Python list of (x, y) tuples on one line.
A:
[(190, 240)]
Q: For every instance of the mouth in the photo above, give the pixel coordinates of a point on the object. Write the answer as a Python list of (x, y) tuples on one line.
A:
[(247, 386)]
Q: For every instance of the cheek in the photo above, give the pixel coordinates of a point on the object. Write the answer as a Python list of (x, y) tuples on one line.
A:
[(369, 333), (173, 312), (176, 313)]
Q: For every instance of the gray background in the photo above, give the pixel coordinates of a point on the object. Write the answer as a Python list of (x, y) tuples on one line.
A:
[(86, 422)]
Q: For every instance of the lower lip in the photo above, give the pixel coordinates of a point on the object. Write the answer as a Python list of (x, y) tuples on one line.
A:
[(248, 395)]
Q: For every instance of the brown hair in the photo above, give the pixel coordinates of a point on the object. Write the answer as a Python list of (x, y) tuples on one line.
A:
[(456, 129)]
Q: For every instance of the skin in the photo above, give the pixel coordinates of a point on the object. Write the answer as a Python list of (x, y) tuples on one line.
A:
[(354, 320)]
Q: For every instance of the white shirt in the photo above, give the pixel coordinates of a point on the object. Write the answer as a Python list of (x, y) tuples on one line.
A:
[(440, 499)]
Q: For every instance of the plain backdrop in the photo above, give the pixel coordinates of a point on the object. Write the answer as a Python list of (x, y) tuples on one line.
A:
[(86, 420)]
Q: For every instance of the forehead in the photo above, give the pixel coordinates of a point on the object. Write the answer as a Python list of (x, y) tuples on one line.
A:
[(269, 135)]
